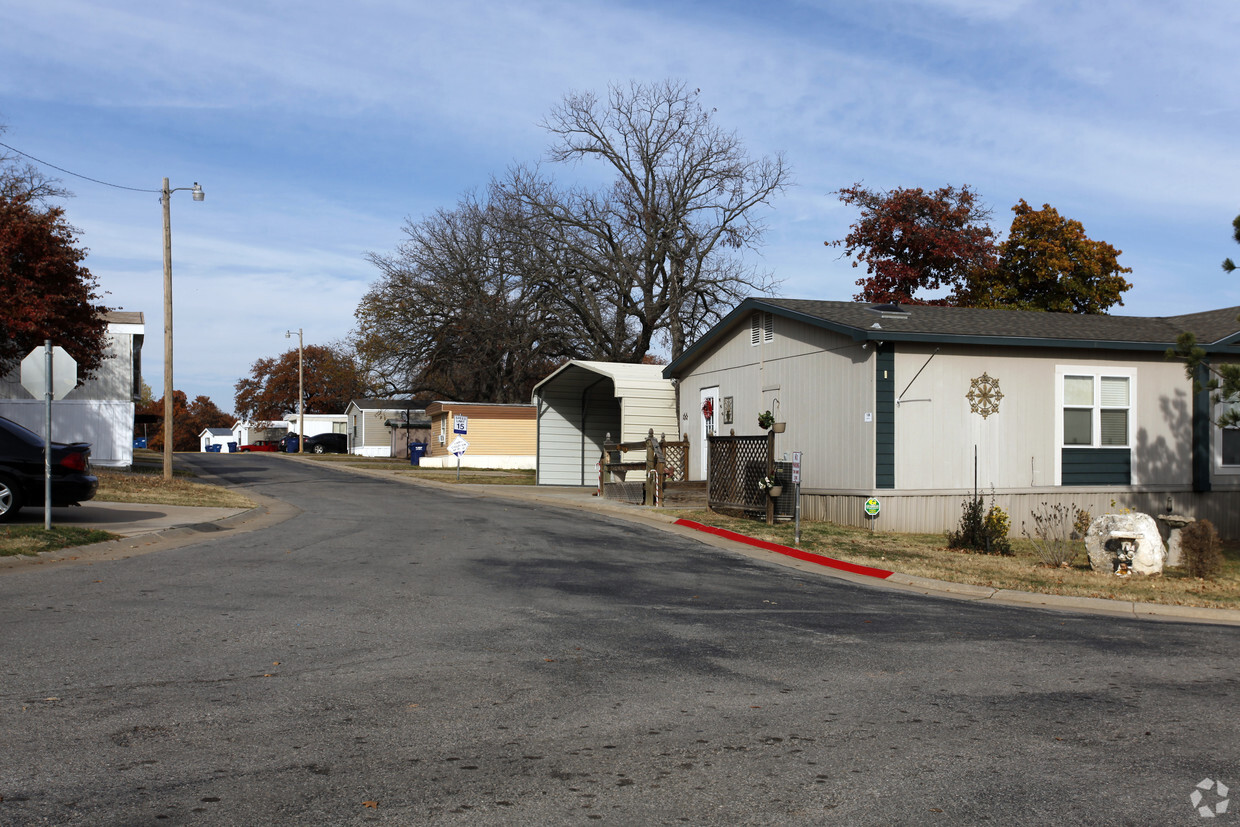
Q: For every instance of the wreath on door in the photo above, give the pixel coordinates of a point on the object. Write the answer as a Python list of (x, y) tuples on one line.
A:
[(708, 408)]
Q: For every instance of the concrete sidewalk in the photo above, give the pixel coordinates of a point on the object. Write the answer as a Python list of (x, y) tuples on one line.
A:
[(142, 529), (128, 519)]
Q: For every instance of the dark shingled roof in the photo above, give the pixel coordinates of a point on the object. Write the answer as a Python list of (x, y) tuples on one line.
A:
[(124, 316), (386, 404), (1216, 330), (919, 321)]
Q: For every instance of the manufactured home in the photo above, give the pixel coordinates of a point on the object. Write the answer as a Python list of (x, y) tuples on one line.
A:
[(916, 407)]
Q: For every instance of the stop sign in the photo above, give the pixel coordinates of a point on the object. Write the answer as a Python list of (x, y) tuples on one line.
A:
[(34, 372)]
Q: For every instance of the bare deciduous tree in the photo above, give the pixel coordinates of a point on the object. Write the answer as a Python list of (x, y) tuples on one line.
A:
[(482, 301), (455, 314), (21, 180), (657, 252)]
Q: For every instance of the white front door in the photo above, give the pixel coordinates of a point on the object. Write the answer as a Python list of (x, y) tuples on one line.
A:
[(710, 415)]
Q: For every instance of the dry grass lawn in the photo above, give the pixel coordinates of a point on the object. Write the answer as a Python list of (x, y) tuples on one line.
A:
[(927, 555), (484, 476), (30, 539), (145, 483)]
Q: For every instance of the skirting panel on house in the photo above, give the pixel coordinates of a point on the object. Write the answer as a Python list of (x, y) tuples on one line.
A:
[(939, 513)]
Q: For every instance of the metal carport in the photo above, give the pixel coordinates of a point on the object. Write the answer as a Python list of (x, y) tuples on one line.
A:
[(582, 401)]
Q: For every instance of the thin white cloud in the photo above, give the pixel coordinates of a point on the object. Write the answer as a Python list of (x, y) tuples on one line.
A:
[(316, 129)]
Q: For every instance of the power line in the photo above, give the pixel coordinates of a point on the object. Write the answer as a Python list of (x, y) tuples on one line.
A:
[(74, 174)]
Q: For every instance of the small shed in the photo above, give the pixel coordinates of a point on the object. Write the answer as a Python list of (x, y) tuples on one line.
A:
[(215, 439), (582, 402)]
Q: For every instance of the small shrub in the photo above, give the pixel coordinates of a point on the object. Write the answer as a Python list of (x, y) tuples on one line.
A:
[(982, 530), (1080, 526), (998, 525), (1057, 530), (1203, 554)]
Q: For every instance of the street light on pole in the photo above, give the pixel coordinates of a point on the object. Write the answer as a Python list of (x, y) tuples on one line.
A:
[(301, 394), (166, 199)]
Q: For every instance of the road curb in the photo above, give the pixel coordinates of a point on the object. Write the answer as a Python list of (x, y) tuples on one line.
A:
[(268, 512)]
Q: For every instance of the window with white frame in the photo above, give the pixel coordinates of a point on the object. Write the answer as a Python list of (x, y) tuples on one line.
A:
[(1096, 410), (1229, 443), (761, 328), (1228, 439), (443, 430)]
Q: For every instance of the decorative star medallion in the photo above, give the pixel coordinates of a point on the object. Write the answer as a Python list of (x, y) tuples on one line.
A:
[(984, 395)]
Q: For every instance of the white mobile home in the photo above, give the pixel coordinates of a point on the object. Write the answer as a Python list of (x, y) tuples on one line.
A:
[(101, 409)]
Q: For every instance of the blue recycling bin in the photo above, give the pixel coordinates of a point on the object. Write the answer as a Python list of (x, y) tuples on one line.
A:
[(213, 449), (232, 447), (290, 443), (139, 442), (417, 450)]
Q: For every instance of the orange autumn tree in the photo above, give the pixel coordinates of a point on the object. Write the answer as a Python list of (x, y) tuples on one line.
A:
[(189, 419), (913, 242), (1048, 263)]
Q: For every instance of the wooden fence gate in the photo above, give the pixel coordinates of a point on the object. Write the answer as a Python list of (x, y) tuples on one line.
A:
[(736, 465)]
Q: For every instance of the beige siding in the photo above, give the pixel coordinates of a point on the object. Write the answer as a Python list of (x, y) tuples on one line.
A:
[(824, 386), (493, 430), (936, 430), (375, 433)]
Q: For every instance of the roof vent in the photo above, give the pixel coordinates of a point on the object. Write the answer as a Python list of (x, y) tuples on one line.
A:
[(891, 310)]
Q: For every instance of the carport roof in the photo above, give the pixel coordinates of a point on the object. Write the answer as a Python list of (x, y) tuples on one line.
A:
[(627, 378)]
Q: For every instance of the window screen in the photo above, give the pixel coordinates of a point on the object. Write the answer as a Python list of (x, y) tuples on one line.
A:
[(1231, 446)]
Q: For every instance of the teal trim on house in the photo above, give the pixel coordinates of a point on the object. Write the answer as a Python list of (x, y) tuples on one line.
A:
[(885, 417), (1202, 426), (1096, 466)]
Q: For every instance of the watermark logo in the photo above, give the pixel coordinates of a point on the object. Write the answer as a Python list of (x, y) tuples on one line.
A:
[(1210, 798)]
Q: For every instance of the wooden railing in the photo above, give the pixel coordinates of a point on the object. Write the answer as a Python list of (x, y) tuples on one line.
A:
[(653, 462)]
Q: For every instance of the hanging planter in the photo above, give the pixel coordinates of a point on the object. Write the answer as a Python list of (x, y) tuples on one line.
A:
[(775, 491), (766, 421), (772, 485)]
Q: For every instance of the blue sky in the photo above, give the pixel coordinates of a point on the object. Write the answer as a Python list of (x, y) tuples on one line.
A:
[(317, 128)]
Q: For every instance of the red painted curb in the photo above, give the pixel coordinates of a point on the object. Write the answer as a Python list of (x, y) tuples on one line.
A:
[(881, 574)]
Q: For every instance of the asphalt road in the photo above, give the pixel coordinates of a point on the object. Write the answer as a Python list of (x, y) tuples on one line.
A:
[(398, 654)]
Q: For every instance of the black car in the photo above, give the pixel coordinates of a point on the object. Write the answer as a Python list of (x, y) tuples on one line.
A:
[(21, 470), (327, 444)]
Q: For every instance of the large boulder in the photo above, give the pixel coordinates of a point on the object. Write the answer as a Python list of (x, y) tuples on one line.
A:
[(1112, 537)]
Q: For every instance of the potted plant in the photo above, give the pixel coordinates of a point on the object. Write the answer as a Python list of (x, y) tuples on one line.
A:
[(771, 485), (766, 421)]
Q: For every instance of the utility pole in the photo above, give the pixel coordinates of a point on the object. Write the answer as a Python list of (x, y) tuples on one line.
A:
[(166, 199), (301, 392)]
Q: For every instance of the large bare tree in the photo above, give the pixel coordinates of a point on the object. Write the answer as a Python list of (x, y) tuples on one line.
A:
[(482, 301), (458, 313), (658, 251)]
